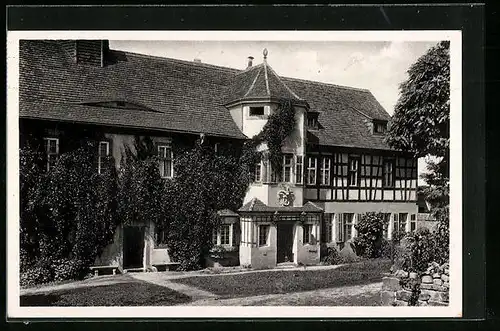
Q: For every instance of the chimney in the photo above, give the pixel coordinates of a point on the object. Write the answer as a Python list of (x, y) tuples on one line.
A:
[(250, 59), (197, 60), (91, 52)]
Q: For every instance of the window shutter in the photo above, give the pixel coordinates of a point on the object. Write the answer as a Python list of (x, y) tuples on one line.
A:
[(338, 228)]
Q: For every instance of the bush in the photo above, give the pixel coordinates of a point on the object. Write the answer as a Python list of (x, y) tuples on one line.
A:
[(40, 273), (369, 240), (65, 269), (331, 256)]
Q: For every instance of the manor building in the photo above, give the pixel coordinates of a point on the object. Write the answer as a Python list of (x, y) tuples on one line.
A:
[(336, 165)]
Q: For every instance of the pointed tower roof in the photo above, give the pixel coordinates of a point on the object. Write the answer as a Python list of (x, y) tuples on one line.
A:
[(260, 82)]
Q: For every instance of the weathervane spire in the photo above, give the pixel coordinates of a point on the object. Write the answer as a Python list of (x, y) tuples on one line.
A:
[(265, 53)]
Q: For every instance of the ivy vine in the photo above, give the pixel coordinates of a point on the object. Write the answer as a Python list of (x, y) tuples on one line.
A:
[(278, 127)]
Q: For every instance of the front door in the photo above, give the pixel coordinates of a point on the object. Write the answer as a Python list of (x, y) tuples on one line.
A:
[(285, 242), (133, 247)]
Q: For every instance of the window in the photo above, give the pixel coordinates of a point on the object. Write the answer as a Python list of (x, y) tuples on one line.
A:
[(403, 218), (345, 227), (263, 234), (312, 121), (388, 173), (299, 166), (387, 218), (51, 151), (311, 170), (256, 111), (400, 222), (275, 174), (224, 234), (328, 221), (102, 154), (160, 237), (353, 171), (325, 171), (413, 223), (258, 172), (307, 236), (287, 168), (165, 157), (379, 127)]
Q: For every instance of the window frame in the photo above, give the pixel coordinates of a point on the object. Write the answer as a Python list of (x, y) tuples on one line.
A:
[(100, 157), (308, 233), (392, 177), (347, 225), (324, 171), (158, 231), (250, 108), (267, 228), (311, 168), (382, 125), (299, 169), (413, 222), (48, 154), (355, 172), (163, 159), (286, 166), (217, 235), (258, 178)]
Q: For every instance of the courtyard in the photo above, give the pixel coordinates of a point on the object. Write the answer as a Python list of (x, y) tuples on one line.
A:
[(356, 284)]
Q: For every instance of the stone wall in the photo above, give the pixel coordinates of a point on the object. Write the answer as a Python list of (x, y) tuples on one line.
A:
[(433, 289)]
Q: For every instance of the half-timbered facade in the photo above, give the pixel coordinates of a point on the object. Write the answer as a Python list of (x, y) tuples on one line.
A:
[(336, 165)]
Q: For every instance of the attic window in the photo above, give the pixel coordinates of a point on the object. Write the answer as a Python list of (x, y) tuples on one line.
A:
[(312, 121), (118, 104), (256, 111), (379, 127)]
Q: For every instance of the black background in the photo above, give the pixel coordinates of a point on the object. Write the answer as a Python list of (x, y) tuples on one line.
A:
[(468, 18)]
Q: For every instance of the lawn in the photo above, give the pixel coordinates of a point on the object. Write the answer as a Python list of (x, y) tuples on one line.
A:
[(274, 282), (133, 293)]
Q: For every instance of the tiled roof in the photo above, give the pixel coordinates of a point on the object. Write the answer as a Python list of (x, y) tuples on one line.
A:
[(343, 112), (256, 205), (181, 96), (184, 96), (227, 213), (259, 82)]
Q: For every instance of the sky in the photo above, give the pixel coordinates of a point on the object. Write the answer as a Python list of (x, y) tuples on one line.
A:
[(377, 66)]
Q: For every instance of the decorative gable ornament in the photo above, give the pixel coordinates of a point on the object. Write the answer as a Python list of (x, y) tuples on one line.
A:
[(285, 196)]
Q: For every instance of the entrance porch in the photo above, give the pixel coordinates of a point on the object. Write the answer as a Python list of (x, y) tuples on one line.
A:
[(273, 235)]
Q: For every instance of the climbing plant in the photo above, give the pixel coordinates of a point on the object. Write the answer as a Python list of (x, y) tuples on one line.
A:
[(69, 212), (278, 127)]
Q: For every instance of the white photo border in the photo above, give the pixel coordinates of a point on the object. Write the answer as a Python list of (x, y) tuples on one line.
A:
[(454, 309)]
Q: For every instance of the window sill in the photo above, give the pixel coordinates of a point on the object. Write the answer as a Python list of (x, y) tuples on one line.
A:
[(161, 246)]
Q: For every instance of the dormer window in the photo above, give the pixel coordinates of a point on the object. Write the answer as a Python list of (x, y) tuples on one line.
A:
[(379, 127), (312, 121), (256, 111)]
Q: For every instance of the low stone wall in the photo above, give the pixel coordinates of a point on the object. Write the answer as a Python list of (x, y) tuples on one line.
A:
[(433, 289)]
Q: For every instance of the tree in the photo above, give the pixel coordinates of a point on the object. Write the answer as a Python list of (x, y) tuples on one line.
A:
[(421, 125)]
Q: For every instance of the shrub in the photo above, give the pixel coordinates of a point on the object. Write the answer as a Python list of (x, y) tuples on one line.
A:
[(369, 240), (65, 269), (39, 273), (331, 256)]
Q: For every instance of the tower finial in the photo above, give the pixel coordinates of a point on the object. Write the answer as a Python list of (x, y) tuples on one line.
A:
[(265, 53)]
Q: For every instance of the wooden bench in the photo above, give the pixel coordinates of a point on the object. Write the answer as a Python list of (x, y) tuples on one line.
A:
[(98, 268), (170, 266)]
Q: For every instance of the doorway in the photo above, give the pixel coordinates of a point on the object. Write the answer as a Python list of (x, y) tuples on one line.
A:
[(133, 247), (285, 242)]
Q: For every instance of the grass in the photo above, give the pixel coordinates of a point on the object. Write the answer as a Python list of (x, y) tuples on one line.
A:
[(133, 293), (275, 282)]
